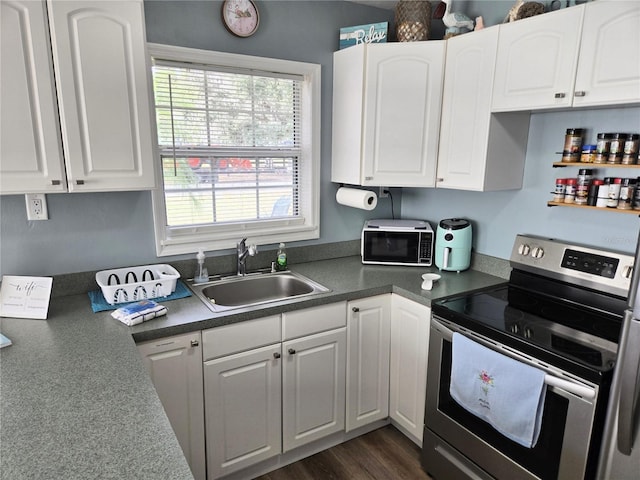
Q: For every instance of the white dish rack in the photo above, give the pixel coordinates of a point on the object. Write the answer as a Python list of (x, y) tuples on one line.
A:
[(137, 283)]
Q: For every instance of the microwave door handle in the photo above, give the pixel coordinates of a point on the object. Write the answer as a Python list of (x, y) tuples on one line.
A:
[(445, 257), (629, 363)]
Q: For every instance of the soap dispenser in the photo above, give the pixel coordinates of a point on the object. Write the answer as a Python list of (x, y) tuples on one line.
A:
[(281, 259), (201, 274)]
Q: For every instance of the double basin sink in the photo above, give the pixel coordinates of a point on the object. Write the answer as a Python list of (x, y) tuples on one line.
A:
[(227, 293)]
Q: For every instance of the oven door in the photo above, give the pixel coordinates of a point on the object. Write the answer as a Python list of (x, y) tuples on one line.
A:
[(459, 445)]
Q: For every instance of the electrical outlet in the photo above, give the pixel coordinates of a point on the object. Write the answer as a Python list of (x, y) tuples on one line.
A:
[(384, 192), (36, 206)]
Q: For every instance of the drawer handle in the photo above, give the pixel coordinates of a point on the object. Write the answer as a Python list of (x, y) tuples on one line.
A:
[(292, 351), (276, 355), (79, 182), (55, 182), (580, 93), (560, 95), (195, 343), (355, 309)]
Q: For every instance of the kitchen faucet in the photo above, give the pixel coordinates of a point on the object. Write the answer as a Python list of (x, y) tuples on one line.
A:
[(243, 251)]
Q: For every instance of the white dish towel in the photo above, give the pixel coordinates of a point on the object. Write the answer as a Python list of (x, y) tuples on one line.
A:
[(506, 393)]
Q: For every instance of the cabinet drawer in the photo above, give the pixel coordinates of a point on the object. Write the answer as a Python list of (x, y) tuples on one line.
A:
[(238, 337), (313, 320)]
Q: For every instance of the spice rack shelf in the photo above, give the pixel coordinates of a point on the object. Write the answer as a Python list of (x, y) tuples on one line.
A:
[(588, 207), (593, 165)]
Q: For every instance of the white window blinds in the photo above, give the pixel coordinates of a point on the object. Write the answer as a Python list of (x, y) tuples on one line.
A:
[(229, 143)]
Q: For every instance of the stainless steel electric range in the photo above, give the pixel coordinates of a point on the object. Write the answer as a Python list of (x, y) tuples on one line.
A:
[(561, 312)]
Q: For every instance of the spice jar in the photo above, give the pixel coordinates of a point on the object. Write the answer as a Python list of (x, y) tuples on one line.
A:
[(636, 196), (570, 190), (614, 193), (603, 193), (630, 150), (572, 145), (602, 147), (626, 193), (588, 154), (616, 148), (582, 185), (558, 194), (592, 198)]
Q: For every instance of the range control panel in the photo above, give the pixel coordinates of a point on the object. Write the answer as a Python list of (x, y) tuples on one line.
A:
[(590, 263), (580, 264)]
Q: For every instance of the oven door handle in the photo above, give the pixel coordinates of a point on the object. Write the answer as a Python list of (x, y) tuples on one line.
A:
[(571, 387), (551, 380), (629, 363)]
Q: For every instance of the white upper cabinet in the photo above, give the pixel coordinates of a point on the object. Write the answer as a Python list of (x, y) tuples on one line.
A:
[(609, 66), (478, 150), (30, 150), (101, 80), (386, 113), (536, 62), (580, 56)]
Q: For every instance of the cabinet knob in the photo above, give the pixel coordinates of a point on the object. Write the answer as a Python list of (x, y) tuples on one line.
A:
[(560, 95), (439, 179), (580, 93), (276, 355), (292, 351), (355, 309), (195, 343), (79, 182)]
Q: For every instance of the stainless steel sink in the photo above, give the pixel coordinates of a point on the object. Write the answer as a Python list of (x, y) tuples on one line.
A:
[(255, 289)]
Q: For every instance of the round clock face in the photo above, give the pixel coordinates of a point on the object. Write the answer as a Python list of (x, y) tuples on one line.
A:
[(240, 17)]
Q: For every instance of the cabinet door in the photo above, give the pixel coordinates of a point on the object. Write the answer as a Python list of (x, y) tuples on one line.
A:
[(243, 410), (409, 346), (30, 151), (537, 61), (609, 65), (402, 100), (175, 367), (368, 330), (313, 388), (466, 110), (100, 62)]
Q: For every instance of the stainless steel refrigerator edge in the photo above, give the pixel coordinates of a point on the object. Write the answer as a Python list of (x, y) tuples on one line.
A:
[(620, 454)]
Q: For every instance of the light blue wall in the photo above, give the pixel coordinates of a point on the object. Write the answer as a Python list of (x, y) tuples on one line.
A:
[(106, 230), (498, 216)]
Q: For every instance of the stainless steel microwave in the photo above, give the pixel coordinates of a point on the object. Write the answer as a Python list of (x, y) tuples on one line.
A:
[(397, 242)]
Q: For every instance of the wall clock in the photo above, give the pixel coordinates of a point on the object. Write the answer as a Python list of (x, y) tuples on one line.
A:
[(240, 17)]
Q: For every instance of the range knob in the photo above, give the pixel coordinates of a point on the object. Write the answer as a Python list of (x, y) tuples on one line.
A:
[(627, 272), (524, 249), (528, 333), (537, 252)]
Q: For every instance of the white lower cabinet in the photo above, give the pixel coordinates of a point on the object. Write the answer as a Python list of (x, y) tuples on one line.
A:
[(242, 394), (313, 387), (175, 367), (368, 341), (408, 375), (277, 383), (265, 396)]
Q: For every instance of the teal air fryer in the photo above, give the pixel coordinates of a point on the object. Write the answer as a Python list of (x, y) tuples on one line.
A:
[(453, 244)]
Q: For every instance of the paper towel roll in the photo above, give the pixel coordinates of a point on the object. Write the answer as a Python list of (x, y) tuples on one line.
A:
[(353, 197)]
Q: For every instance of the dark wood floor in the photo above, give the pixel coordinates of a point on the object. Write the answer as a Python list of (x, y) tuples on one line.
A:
[(384, 454)]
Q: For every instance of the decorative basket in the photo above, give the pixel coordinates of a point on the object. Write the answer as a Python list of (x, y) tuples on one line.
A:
[(413, 20), (137, 283)]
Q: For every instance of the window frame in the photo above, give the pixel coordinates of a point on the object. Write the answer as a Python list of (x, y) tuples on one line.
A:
[(220, 237)]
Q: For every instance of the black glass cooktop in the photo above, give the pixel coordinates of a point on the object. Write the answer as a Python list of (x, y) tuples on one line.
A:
[(563, 331)]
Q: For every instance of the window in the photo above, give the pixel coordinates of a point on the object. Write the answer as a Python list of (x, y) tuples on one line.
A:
[(239, 156)]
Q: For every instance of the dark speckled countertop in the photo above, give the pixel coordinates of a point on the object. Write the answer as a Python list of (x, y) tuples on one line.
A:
[(76, 401)]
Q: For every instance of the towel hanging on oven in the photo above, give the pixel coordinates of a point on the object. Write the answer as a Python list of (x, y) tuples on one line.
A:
[(506, 393)]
